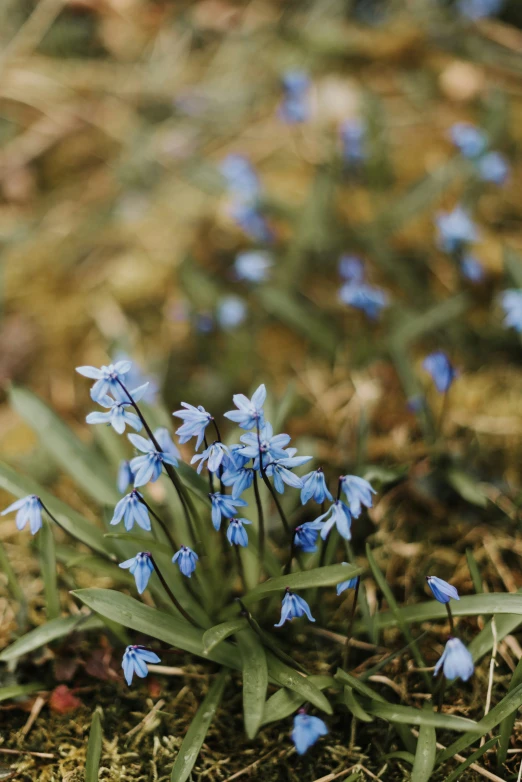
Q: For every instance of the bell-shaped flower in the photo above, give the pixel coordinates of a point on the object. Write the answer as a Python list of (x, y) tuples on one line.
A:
[(196, 420), (223, 505), (28, 509), (280, 470), (293, 606), (165, 442), (213, 456), (131, 509), (272, 447), (367, 298), (456, 661), (135, 661), (351, 268), (511, 301), (241, 177), (493, 167), (253, 266), (240, 479), (314, 486), (350, 584), (306, 731), (148, 467), (338, 514), (236, 532), (295, 105), (471, 268), (442, 591), (249, 412), (186, 560), (358, 493), (442, 372), (141, 568), (108, 379), (305, 538), (117, 415), (470, 140), (353, 141), (125, 476), (455, 230)]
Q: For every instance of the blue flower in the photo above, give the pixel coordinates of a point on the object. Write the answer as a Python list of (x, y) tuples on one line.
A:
[(280, 470), (135, 377), (472, 269), (271, 446), (361, 296), (306, 731), (442, 591), (141, 568), (314, 485), (442, 372), (253, 266), (125, 476), (239, 478), (293, 606), (223, 505), (107, 378), (493, 167), (196, 421), (241, 177), (511, 301), (117, 416), (353, 140), (358, 492), (231, 312), (305, 538), (351, 268), (148, 468), (213, 455), (338, 514), (471, 141), (350, 584), (186, 559), (294, 107), (456, 230), (248, 217), (456, 661), (164, 440), (235, 459), (29, 509), (236, 533), (250, 411), (479, 9), (135, 661), (131, 509)]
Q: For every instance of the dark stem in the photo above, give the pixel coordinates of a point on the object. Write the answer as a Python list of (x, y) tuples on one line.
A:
[(450, 617), (442, 414), (108, 557), (280, 510), (240, 567), (346, 649), (171, 595), (261, 518), (210, 475), (220, 471), (292, 554), (217, 429), (160, 522), (339, 489)]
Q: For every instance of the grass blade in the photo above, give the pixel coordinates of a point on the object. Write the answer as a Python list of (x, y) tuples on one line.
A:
[(353, 705), (94, 748), (321, 576), (457, 774), (50, 631), (48, 569), (474, 572), (255, 680), (215, 635), (18, 690), (407, 715), (12, 581), (285, 702), (290, 678), (426, 752), (506, 726)]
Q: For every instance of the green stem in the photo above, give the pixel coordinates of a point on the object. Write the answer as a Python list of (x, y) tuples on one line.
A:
[(171, 595)]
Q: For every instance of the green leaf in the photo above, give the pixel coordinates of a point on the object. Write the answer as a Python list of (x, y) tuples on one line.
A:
[(197, 731), (408, 757), (426, 752), (506, 726), (513, 266), (215, 635), (285, 702), (407, 715), (474, 572), (484, 641), (317, 577), (94, 748), (287, 677), (69, 452), (456, 775), (48, 570), (18, 690), (353, 705), (147, 544), (255, 679), (51, 631), (12, 581), (467, 487)]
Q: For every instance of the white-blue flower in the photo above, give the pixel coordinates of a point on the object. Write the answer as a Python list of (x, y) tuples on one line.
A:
[(236, 532), (358, 492), (293, 606), (141, 568), (314, 486), (223, 505), (456, 661), (29, 509), (249, 412), (131, 509), (148, 467), (511, 301), (271, 446), (135, 661), (213, 456), (442, 591), (108, 379), (186, 560), (253, 266), (280, 470), (118, 415), (196, 420), (338, 514), (306, 731)]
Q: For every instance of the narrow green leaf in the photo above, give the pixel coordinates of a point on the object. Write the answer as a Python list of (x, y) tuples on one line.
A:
[(484, 641), (197, 731), (50, 631), (74, 457), (147, 544), (255, 679), (48, 570), (456, 775), (353, 705), (285, 702), (513, 265), (467, 487), (506, 726), (94, 748), (407, 715), (474, 572), (426, 752), (18, 690), (215, 635), (12, 581), (408, 757), (318, 577), (288, 677)]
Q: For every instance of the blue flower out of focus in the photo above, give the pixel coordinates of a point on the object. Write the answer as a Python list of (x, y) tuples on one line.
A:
[(196, 421), (441, 370), (241, 177), (442, 591), (240, 478), (214, 456), (358, 492), (306, 731), (148, 467), (164, 440), (338, 514), (479, 9), (353, 142), (472, 269), (236, 533), (107, 379), (493, 167), (456, 230), (305, 538), (231, 312), (223, 505), (361, 296), (280, 470), (351, 268), (251, 221), (125, 476), (314, 486), (186, 560), (118, 416), (131, 509), (141, 568), (271, 446), (135, 377), (293, 606), (28, 509), (470, 140), (135, 661), (294, 107), (456, 661), (249, 412), (253, 266), (511, 301)]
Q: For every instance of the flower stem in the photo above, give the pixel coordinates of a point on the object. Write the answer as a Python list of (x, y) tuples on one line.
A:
[(170, 593), (261, 519), (108, 557), (288, 566), (210, 475), (160, 522), (450, 617), (240, 568), (346, 649)]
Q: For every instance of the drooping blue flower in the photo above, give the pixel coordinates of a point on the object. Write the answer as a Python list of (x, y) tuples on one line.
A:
[(358, 492), (131, 509), (314, 485), (353, 141), (455, 230), (125, 476), (280, 470), (241, 177), (254, 224), (306, 731), (231, 312), (368, 298), (28, 509), (470, 140), (196, 421), (224, 505), (148, 467), (305, 538), (253, 266), (272, 447), (136, 377), (249, 412), (141, 568), (479, 9), (236, 533), (338, 514), (293, 606), (456, 661), (239, 478), (135, 661), (471, 269), (213, 456), (235, 459), (351, 268), (511, 301), (493, 167), (294, 107), (164, 440), (350, 584), (442, 591), (186, 560), (441, 370), (118, 415), (107, 378)]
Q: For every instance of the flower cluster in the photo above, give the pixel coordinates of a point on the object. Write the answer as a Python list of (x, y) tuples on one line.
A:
[(357, 293)]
